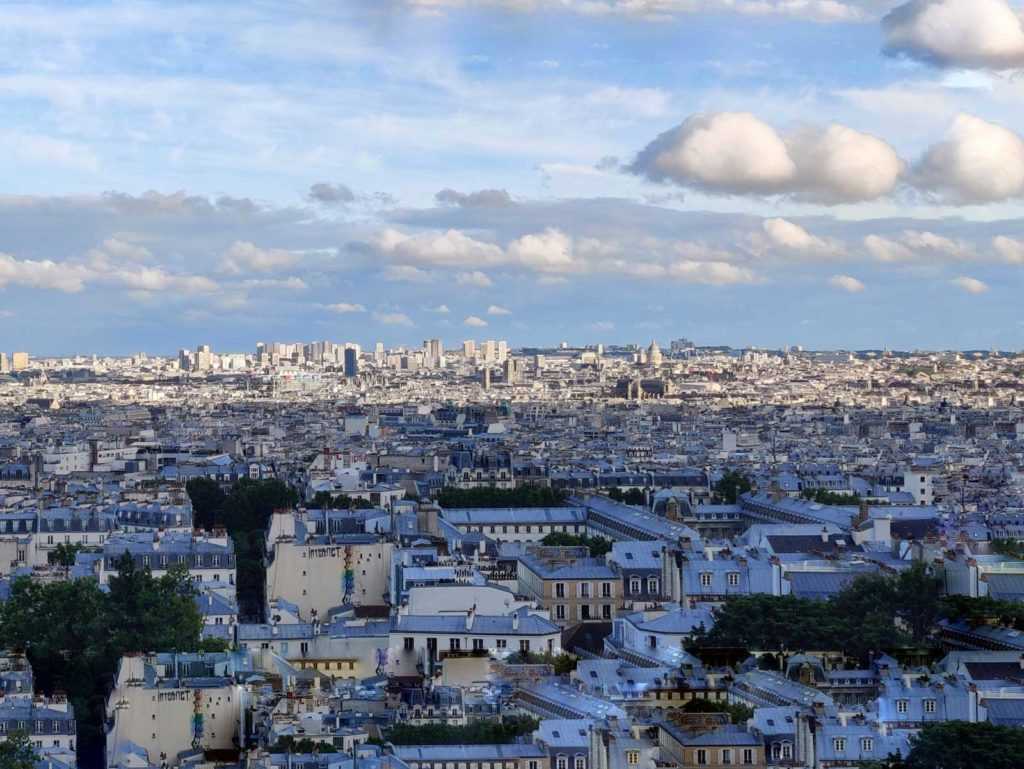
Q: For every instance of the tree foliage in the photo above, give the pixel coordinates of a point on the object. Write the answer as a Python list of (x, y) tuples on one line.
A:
[(16, 752), (598, 546), (207, 502), (627, 497), (324, 501), (74, 634), (826, 497), (873, 613), (738, 712), (476, 733), (962, 745), (730, 486), (521, 496)]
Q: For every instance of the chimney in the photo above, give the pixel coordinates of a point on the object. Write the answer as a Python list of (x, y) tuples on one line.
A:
[(824, 534), (515, 621), (470, 616)]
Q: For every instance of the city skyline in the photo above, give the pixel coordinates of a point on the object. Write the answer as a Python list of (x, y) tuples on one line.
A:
[(533, 168)]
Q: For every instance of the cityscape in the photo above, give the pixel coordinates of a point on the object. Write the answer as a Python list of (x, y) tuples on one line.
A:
[(512, 384)]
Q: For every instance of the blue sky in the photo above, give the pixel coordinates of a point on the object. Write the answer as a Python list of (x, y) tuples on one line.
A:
[(832, 173)]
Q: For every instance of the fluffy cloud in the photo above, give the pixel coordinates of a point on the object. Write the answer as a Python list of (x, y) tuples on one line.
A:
[(44, 274), (846, 283), (711, 273), (789, 236), (495, 309), (474, 322), (345, 308), (452, 248), (475, 278), (919, 245), (736, 153), (888, 250), (548, 251), (392, 318), (970, 285), (287, 284), (1010, 251), (978, 162), (331, 194), (957, 33), (406, 273), (478, 199), (244, 256)]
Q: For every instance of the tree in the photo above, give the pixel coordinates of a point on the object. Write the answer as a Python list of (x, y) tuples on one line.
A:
[(16, 752), (738, 712), (207, 502), (476, 733), (962, 745), (731, 485), (522, 496), (64, 555), (598, 546), (826, 497)]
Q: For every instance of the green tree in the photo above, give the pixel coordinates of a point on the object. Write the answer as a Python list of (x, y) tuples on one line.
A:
[(962, 745), (153, 614), (207, 502), (502, 732), (522, 496), (598, 546), (16, 752), (64, 555), (738, 712), (731, 485)]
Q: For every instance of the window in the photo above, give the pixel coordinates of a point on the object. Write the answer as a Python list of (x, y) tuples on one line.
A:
[(787, 750), (478, 644), (727, 757), (606, 589), (705, 579), (633, 757), (734, 579), (580, 763), (561, 762), (702, 757), (634, 586), (839, 744), (652, 585), (524, 646), (584, 588), (560, 611), (606, 611), (559, 590), (902, 706), (929, 706), (748, 756), (502, 643), (454, 644), (408, 643), (867, 745)]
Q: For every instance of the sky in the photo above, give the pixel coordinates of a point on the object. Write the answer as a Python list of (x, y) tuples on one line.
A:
[(825, 173)]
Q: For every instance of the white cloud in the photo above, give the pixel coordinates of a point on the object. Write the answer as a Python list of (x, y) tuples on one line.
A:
[(474, 322), (888, 250), (44, 274), (985, 34), (476, 278), (636, 102), (846, 283), (451, 248), (441, 309), (711, 273), (393, 318), (736, 153), (287, 284), (978, 162), (244, 256), (495, 309), (1010, 251), (790, 236), (938, 245), (406, 273), (602, 325), (345, 308), (548, 251), (970, 285)]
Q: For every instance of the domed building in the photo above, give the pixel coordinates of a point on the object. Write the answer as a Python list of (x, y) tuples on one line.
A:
[(654, 356)]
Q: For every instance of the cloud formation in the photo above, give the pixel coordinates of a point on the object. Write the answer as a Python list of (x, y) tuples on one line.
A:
[(330, 194), (975, 34), (736, 153), (474, 322), (978, 162), (846, 283), (478, 199), (970, 285), (345, 308), (244, 256)]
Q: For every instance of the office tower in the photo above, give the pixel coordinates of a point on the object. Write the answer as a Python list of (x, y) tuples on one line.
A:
[(486, 374), (19, 361), (489, 351), (469, 349), (378, 354), (502, 351), (351, 362), (4, 366), (433, 353), (203, 359), (513, 371)]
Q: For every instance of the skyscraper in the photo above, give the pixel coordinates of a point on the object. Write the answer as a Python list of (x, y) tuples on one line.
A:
[(351, 362), (4, 366), (19, 361)]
